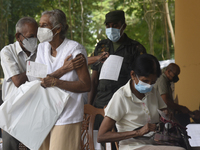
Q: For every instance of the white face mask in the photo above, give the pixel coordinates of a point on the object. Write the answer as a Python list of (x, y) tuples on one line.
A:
[(30, 44), (45, 34)]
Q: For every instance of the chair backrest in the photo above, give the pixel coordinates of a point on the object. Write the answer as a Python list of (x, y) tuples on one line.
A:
[(22, 147), (90, 113)]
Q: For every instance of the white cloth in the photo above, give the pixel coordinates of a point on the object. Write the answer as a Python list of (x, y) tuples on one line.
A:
[(129, 112), (30, 113), (13, 62), (73, 112)]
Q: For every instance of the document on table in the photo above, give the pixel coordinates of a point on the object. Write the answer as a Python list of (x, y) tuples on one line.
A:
[(194, 132), (111, 68), (36, 69)]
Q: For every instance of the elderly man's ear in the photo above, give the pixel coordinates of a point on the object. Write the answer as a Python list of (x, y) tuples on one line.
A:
[(17, 37)]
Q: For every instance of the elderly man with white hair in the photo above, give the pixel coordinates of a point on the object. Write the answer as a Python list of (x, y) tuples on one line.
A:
[(13, 61)]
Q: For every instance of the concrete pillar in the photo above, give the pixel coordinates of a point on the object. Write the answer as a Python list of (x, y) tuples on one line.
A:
[(187, 53)]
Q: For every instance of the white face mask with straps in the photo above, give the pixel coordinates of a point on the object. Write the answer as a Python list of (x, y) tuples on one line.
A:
[(30, 44), (45, 34)]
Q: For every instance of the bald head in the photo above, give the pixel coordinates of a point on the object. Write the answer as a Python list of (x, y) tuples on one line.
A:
[(174, 68)]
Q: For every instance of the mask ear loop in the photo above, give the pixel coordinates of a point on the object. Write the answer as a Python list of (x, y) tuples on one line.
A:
[(54, 28), (24, 38), (120, 30), (137, 78)]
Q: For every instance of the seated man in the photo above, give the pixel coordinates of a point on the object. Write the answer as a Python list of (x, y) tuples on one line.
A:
[(163, 85)]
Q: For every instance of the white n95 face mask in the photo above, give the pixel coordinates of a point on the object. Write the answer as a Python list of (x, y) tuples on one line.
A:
[(30, 44), (45, 34)]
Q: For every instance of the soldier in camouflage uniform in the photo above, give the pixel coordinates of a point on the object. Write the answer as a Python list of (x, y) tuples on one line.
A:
[(121, 45)]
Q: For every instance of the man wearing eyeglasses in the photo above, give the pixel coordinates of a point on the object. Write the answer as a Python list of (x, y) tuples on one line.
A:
[(181, 113), (13, 61)]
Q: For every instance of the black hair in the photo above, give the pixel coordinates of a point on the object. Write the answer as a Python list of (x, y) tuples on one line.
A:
[(146, 64)]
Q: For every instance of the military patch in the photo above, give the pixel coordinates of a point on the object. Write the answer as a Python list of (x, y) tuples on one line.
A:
[(103, 48)]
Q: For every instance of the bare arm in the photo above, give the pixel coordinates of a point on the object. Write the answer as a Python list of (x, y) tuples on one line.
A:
[(83, 84), (170, 104), (94, 59), (19, 79), (94, 85), (105, 133)]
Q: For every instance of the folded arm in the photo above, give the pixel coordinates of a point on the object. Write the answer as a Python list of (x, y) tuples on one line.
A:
[(19, 79), (83, 84), (69, 65)]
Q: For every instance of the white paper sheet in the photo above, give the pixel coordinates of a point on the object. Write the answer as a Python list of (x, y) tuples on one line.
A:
[(36, 69), (194, 132), (162, 114), (111, 68)]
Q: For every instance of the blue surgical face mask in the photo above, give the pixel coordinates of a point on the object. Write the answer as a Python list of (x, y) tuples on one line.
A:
[(113, 34), (143, 87)]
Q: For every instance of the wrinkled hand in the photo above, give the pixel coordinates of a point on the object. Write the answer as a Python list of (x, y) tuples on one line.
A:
[(147, 128), (103, 56), (48, 81), (72, 64)]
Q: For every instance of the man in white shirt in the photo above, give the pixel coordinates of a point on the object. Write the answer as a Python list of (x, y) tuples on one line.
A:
[(13, 61)]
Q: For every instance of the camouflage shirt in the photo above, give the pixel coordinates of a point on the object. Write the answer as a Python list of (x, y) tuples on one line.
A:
[(129, 49)]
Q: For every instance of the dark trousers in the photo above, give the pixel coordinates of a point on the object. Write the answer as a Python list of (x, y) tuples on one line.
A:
[(9, 142)]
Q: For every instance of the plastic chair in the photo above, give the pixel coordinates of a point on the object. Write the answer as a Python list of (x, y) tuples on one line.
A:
[(90, 113)]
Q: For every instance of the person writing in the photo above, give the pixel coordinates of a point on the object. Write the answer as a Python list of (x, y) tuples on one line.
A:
[(135, 105)]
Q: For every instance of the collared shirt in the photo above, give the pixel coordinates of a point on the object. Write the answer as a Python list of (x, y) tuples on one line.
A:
[(73, 111), (163, 85), (129, 112), (13, 62)]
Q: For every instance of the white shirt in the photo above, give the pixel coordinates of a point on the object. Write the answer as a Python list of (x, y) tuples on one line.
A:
[(129, 112), (73, 111), (13, 62)]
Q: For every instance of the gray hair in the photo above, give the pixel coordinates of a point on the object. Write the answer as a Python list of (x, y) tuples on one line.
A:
[(57, 17), (22, 22)]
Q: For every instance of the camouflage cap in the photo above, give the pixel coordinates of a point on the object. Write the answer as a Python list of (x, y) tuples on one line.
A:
[(115, 16)]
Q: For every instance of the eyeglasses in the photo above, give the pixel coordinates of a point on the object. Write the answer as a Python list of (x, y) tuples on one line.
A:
[(24, 36)]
